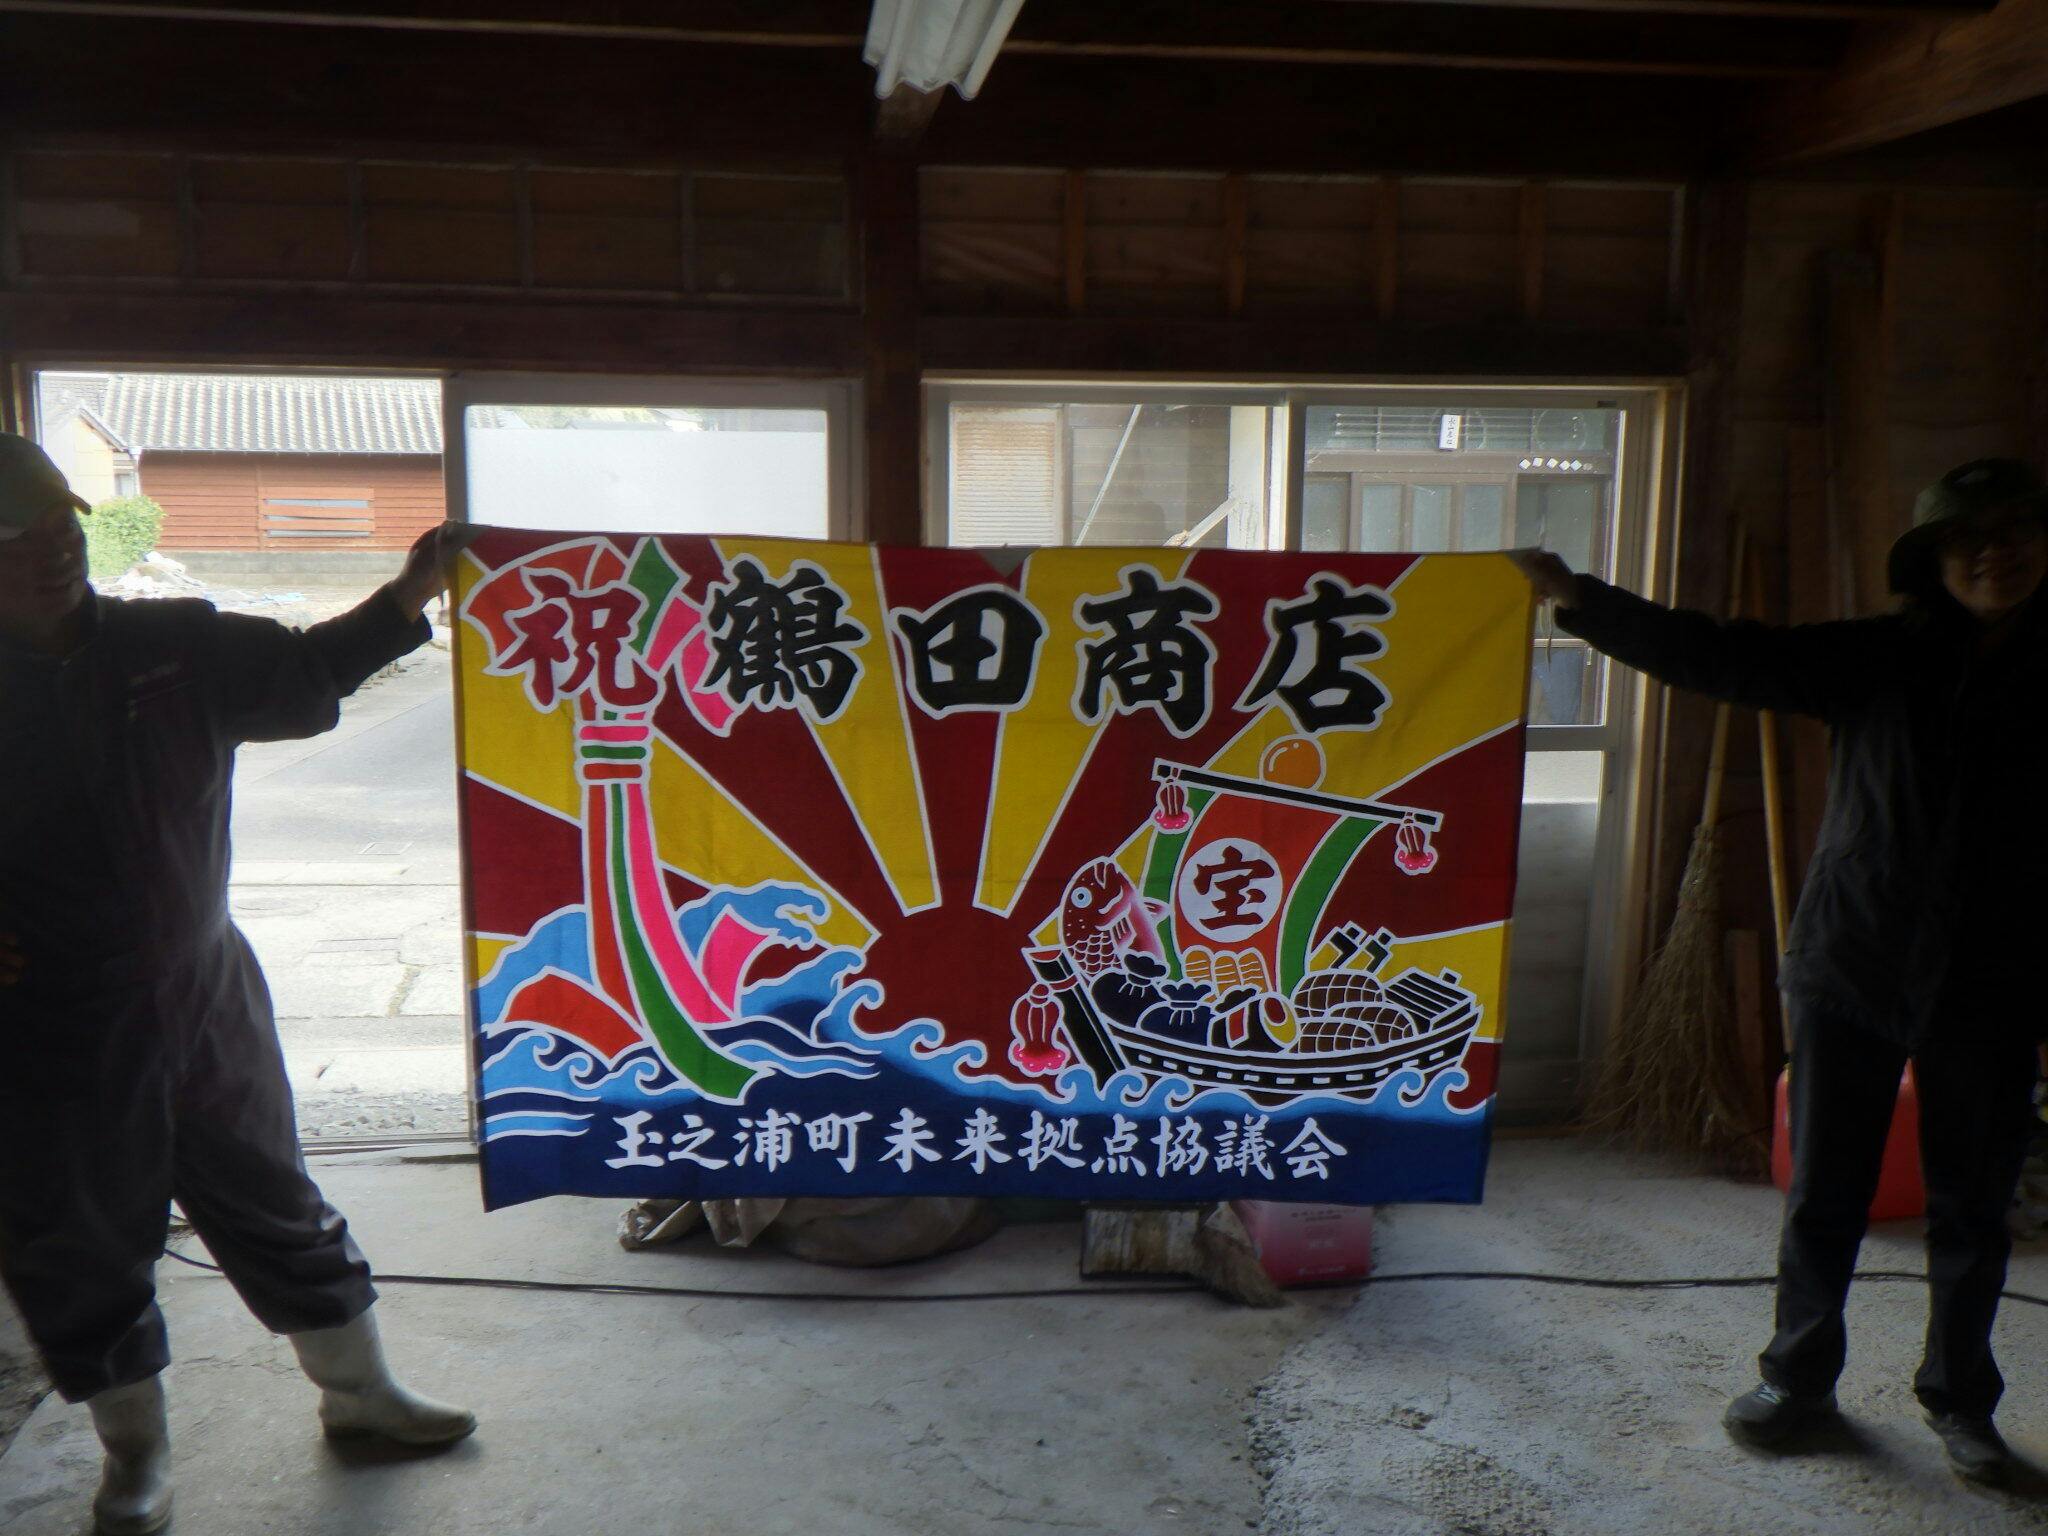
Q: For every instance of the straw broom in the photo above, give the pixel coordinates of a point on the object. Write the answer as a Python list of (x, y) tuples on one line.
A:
[(1672, 1081)]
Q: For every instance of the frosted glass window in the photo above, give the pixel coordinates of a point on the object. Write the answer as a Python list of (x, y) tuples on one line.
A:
[(645, 469), (1481, 522), (1431, 519), (1379, 517), (1326, 512)]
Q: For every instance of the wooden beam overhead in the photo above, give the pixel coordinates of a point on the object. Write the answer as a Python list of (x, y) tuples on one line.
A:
[(831, 23), (293, 90), (785, 24), (1272, 346), (1392, 34), (346, 332), (1144, 114), (1780, 10), (1908, 78)]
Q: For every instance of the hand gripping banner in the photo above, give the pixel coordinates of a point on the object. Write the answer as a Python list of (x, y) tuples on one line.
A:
[(828, 869)]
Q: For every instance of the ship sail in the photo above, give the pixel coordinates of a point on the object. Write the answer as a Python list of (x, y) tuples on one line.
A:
[(1247, 882)]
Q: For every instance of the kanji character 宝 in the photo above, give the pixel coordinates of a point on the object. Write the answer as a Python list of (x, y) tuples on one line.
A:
[(1231, 888)]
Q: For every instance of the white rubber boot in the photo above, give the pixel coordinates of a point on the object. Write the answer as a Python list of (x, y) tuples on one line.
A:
[(358, 1396), (135, 1480)]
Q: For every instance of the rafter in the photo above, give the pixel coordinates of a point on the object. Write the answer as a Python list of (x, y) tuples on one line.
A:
[(1908, 78), (785, 24), (1390, 33)]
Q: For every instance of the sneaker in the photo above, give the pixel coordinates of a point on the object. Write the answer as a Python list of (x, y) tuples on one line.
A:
[(1768, 1416), (1974, 1446)]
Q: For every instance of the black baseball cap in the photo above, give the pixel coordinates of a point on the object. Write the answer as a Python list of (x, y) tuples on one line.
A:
[(1968, 491), (30, 483)]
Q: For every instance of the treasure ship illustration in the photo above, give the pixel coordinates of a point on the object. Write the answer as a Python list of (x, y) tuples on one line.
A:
[(1215, 967)]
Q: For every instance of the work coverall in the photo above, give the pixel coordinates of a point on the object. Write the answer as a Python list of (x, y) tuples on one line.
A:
[(139, 1061), (1918, 936)]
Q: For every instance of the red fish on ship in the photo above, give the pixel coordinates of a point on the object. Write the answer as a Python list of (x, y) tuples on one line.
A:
[(1103, 919)]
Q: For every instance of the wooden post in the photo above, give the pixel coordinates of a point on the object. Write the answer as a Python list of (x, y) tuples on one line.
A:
[(1857, 414), (1746, 991), (358, 225), (1530, 232), (1810, 598), (1683, 733), (1075, 243), (522, 221), (188, 218), (1386, 229), (893, 403), (1236, 226)]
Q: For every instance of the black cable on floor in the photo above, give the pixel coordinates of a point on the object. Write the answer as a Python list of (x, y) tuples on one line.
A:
[(1531, 1277)]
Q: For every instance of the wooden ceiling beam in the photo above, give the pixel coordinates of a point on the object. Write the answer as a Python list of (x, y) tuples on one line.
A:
[(1149, 114), (748, 23), (217, 87), (1908, 78), (1779, 10), (224, 87), (1388, 33)]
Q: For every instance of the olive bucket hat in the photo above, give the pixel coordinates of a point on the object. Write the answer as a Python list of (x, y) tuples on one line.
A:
[(30, 484), (1970, 490)]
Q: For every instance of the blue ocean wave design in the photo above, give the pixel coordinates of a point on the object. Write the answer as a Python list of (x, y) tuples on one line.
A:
[(802, 1027), (798, 1025), (534, 1067)]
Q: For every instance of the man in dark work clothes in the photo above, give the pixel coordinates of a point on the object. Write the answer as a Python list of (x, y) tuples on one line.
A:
[(1919, 930), (142, 1062)]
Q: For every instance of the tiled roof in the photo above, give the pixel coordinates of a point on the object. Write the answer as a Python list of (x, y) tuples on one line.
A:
[(261, 413)]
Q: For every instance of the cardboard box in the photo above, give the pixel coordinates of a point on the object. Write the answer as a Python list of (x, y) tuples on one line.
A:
[(1308, 1244)]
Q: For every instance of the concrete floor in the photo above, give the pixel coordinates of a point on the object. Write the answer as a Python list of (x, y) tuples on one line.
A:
[(1447, 1408), (615, 1414)]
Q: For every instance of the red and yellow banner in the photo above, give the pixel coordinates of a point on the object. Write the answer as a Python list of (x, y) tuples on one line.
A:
[(806, 868)]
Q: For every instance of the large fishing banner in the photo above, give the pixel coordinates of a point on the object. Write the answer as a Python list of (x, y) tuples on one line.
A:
[(828, 869)]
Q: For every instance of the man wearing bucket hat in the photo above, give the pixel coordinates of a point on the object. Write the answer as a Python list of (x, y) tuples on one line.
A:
[(142, 1061), (1918, 931)]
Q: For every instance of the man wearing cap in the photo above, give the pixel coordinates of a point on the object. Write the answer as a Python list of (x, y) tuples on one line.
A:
[(1918, 935), (142, 1061)]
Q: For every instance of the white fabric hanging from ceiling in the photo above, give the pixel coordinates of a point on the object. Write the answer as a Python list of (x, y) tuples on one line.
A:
[(928, 44)]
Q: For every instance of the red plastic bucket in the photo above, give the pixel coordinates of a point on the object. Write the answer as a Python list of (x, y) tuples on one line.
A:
[(1900, 1193)]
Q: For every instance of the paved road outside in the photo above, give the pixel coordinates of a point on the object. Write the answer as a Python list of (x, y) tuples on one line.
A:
[(345, 880)]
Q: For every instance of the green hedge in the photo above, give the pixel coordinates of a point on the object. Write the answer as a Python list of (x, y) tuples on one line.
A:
[(119, 533)]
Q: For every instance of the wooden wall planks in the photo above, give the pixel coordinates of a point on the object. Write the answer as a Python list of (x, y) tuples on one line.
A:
[(258, 221), (1415, 250), (213, 501)]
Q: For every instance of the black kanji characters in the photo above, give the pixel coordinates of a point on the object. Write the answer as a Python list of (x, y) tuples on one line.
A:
[(781, 645), (1317, 681), (975, 650), (1151, 655)]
